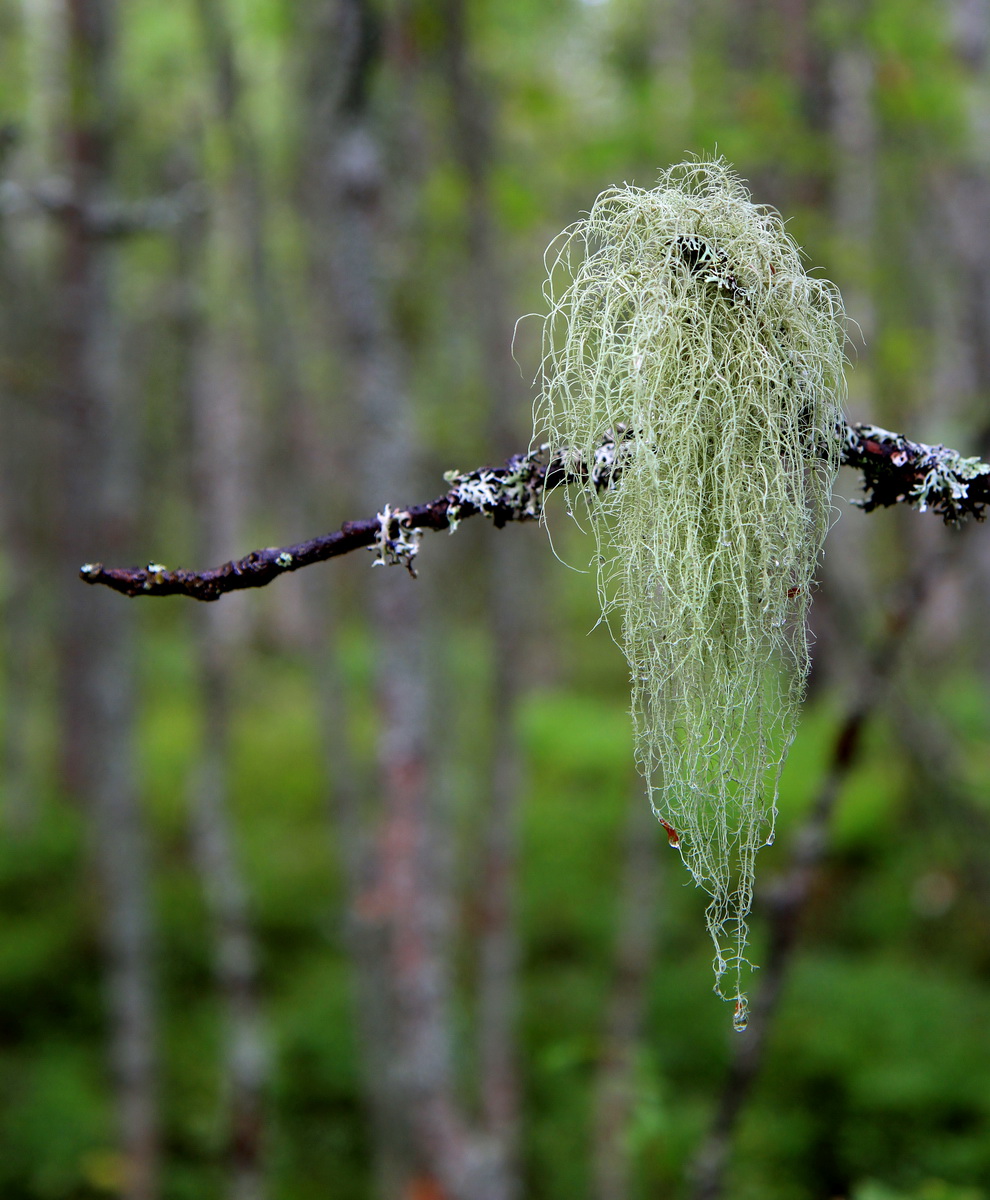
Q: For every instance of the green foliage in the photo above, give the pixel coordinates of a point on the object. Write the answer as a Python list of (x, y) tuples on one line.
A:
[(877, 1067)]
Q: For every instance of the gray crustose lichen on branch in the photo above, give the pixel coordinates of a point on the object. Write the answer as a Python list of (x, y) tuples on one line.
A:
[(895, 471)]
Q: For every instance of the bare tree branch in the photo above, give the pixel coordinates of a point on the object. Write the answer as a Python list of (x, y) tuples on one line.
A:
[(510, 493), (895, 471), (57, 198)]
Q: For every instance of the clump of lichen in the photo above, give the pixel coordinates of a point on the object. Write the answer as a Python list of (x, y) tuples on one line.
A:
[(684, 316)]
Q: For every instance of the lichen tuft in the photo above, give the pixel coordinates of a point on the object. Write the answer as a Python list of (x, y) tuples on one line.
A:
[(684, 314)]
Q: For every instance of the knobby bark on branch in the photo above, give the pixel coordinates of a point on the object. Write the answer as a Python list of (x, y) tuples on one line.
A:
[(895, 471)]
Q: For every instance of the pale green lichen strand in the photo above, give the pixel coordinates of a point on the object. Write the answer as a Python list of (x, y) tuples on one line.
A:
[(708, 542)]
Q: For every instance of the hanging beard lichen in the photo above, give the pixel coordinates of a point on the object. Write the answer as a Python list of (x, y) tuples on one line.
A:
[(683, 327)]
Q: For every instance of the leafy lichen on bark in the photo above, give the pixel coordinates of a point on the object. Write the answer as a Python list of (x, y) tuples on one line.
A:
[(899, 471)]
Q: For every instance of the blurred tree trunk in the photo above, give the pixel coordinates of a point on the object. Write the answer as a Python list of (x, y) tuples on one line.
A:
[(635, 945), (212, 391), (25, 523), (961, 276), (98, 659), (849, 577), (28, 513), (331, 50), (220, 488), (235, 965), (45, 52), (407, 892), (222, 475), (276, 345), (497, 939), (339, 42), (403, 909), (854, 183)]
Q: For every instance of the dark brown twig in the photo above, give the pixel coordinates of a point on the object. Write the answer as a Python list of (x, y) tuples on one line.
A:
[(510, 493), (895, 471)]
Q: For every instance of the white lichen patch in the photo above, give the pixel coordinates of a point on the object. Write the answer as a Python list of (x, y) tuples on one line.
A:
[(284, 559), (682, 316), (517, 490), (396, 543)]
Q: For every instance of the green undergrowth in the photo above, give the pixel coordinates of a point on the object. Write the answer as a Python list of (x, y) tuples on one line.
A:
[(882, 1090)]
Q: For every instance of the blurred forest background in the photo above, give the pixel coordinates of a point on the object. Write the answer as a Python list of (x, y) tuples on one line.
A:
[(347, 888)]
